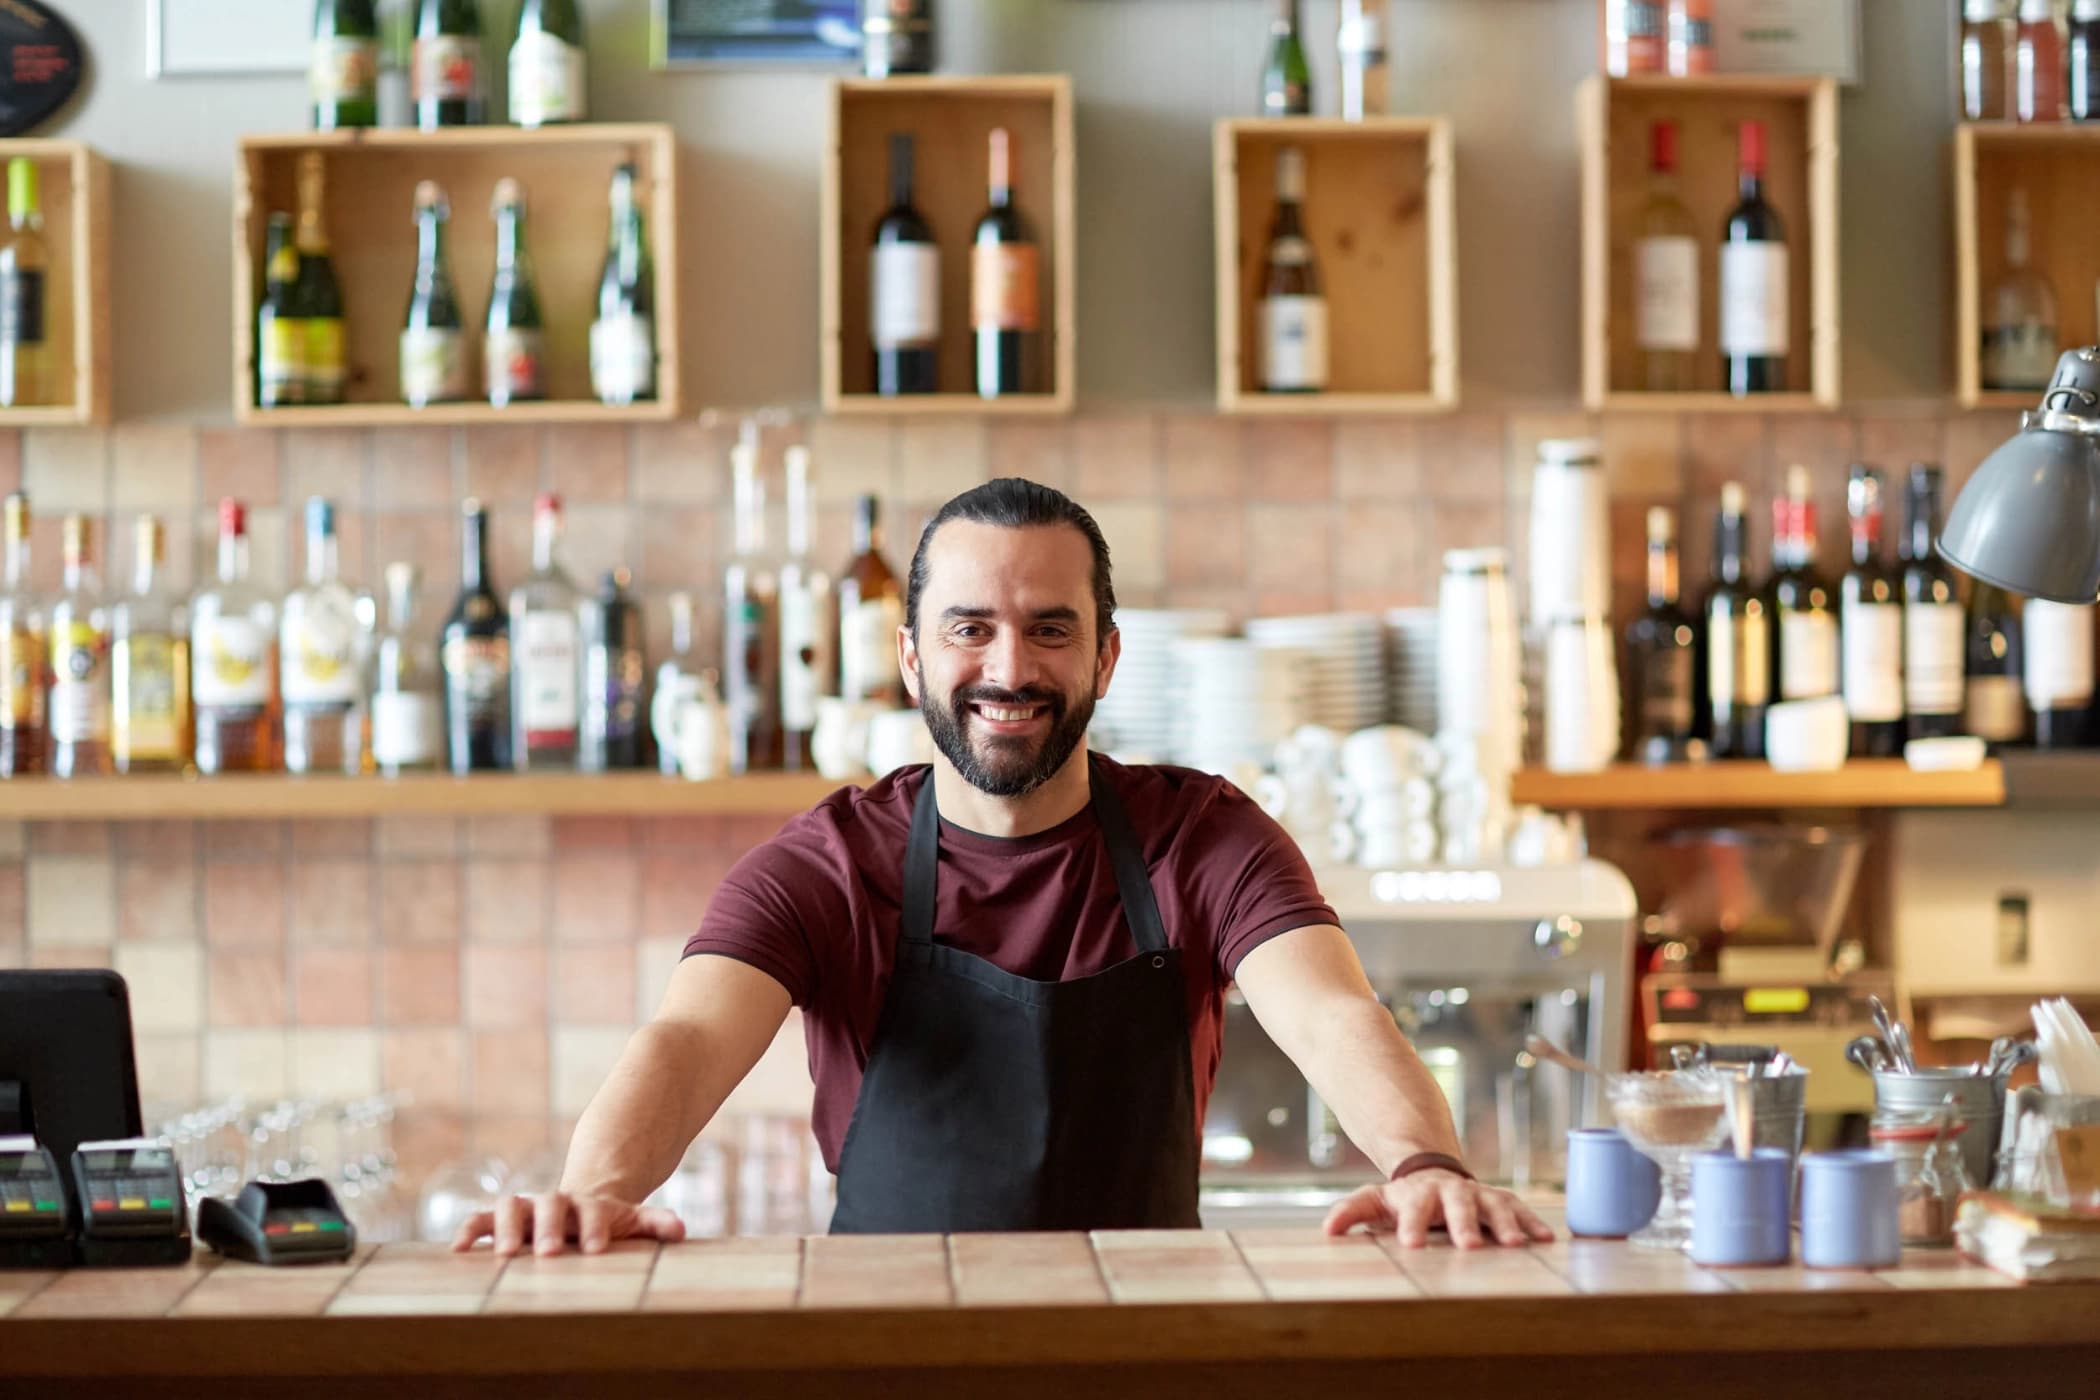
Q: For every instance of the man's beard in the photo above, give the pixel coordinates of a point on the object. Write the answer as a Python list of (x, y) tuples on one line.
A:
[(1003, 765)]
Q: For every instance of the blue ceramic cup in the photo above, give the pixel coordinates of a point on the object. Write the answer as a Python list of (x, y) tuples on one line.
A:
[(1740, 1210), (1612, 1189), (1848, 1210)]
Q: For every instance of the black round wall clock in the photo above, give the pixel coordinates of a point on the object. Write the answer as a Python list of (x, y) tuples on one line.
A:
[(39, 64)]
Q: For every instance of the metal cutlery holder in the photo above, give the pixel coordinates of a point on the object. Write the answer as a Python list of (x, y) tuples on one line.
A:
[(1979, 1108)]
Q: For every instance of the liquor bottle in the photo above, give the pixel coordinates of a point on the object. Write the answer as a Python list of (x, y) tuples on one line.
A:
[(2084, 64), (22, 651), (615, 672), (1691, 38), (1870, 627), (871, 609), (280, 332), (149, 666), (2057, 670), (1995, 707), (1666, 272), (1293, 304), (1738, 639), (79, 702), (1987, 34), (1635, 37), (433, 340), (1755, 286), (319, 299), (25, 356), (897, 36), (407, 711), (904, 287), (2038, 63), (547, 79), (546, 698), (1934, 630), (2019, 336), (474, 649), (750, 624), (445, 67), (1286, 78), (808, 621), (233, 661), (1005, 288), (679, 678), (623, 338), (319, 648), (1360, 43), (345, 74), (1804, 615), (511, 348), (1659, 645)]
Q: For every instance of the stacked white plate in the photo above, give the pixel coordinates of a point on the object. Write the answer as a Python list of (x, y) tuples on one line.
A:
[(1144, 716), (1240, 700), (1346, 654), (1410, 635)]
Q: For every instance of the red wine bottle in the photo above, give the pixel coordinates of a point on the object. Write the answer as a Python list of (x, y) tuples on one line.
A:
[(1754, 279), (904, 280), (1934, 631), (1870, 611), (1005, 299)]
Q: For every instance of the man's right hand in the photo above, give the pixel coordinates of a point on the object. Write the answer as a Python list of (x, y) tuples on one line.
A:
[(550, 1221)]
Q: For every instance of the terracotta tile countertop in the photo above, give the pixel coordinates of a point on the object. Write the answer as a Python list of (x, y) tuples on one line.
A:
[(1271, 1312)]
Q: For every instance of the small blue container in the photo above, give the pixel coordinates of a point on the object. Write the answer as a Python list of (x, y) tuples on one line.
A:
[(1612, 1189), (1848, 1210), (1740, 1211)]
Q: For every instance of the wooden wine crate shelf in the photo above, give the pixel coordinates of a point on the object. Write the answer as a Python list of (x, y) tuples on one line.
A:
[(74, 190), (1381, 213), (369, 209), (1741, 784), (1801, 127), (2058, 165), (951, 120)]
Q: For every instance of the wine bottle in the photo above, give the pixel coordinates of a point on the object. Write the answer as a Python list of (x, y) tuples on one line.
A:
[(280, 332), (2019, 333), (445, 65), (897, 36), (1666, 271), (1805, 662), (547, 76), (623, 337), (474, 649), (25, 260), (1755, 287), (22, 651), (1286, 78), (79, 702), (679, 678), (233, 660), (1995, 708), (904, 287), (1738, 639), (1934, 631), (1659, 645), (345, 74), (321, 652), (2057, 670), (615, 673), (750, 624), (149, 664), (871, 609), (407, 707), (433, 342), (319, 300), (547, 685), (808, 621), (511, 346), (1005, 290), (1870, 624), (1293, 305)]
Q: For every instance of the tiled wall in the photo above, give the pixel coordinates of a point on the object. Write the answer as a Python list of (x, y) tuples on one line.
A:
[(493, 967)]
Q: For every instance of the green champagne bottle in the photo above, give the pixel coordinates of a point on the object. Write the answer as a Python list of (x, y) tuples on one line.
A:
[(346, 64), (511, 349), (280, 334), (547, 81), (623, 338), (433, 339), (1286, 80), (445, 68), (319, 299), (25, 264)]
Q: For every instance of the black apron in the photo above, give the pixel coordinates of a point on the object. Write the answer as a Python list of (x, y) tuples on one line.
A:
[(994, 1102)]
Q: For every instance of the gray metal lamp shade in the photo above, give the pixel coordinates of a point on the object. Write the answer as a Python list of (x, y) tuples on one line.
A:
[(2029, 520)]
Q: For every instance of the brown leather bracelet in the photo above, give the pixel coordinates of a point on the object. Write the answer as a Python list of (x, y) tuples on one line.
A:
[(1431, 1161)]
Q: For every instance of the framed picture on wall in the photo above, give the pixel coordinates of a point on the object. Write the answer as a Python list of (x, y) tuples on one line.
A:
[(196, 38), (754, 33)]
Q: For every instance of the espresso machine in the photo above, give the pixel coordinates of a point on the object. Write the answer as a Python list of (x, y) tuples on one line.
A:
[(1469, 962)]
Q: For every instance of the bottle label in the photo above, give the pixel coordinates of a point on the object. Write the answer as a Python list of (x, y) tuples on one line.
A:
[(1934, 643), (320, 660), (512, 359), (623, 358), (433, 365), (21, 678), (2057, 659), (284, 359), (79, 685), (445, 68), (868, 649), (1635, 33), (1873, 642), (1667, 297), (22, 307), (2019, 355), (1739, 662), (802, 657), (1808, 655), (548, 678), (1294, 342), (345, 69), (405, 729), (229, 658), (477, 673), (1996, 711), (904, 293), (1005, 290), (145, 686), (324, 358), (1754, 299), (546, 80)]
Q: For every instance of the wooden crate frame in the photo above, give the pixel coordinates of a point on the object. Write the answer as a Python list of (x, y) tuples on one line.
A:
[(74, 181)]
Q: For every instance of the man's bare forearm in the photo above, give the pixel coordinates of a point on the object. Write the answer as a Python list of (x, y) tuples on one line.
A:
[(650, 1108), (1378, 1087)]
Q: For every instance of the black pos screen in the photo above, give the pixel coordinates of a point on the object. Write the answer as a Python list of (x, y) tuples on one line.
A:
[(66, 1068)]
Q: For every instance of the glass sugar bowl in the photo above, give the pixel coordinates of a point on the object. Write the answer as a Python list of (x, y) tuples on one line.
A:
[(1930, 1173)]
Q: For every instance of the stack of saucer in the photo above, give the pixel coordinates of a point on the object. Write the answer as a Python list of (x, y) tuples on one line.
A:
[(1347, 663), (1239, 699), (1144, 716)]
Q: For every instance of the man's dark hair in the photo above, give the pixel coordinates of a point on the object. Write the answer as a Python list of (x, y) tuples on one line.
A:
[(1016, 503)]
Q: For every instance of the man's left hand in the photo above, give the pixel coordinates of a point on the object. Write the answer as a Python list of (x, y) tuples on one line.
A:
[(1473, 1214)]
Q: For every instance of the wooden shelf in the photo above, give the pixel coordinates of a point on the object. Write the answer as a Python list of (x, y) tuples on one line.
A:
[(1742, 784), (951, 121), (1613, 117), (74, 190), (280, 796), (1381, 214), (371, 178)]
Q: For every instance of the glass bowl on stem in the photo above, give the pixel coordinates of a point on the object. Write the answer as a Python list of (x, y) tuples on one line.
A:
[(1668, 1116)]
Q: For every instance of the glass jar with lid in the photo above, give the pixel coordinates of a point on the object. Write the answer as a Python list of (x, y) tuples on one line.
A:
[(1930, 1173)]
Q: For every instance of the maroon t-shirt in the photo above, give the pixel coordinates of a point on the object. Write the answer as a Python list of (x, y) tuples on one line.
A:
[(816, 908)]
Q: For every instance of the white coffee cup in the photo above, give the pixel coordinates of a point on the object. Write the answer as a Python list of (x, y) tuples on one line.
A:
[(840, 742), (703, 739), (896, 739), (1388, 753), (1806, 736)]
